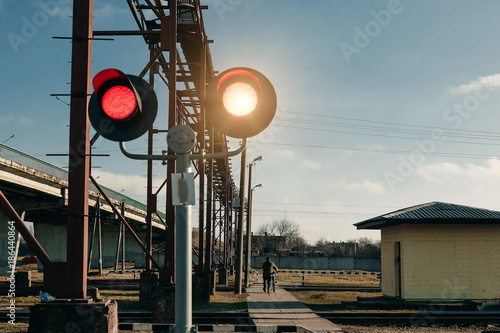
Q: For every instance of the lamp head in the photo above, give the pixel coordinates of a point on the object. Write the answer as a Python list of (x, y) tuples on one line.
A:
[(258, 185), (258, 159)]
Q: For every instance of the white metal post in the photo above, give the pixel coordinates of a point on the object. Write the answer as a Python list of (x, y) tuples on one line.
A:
[(183, 260)]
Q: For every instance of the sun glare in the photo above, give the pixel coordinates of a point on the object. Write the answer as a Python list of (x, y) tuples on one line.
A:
[(239, 99)]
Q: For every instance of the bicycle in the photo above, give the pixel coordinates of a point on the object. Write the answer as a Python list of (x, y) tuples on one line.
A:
[(272, 282)]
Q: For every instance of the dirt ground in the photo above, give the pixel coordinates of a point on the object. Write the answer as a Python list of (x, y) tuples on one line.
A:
[(10, 328)]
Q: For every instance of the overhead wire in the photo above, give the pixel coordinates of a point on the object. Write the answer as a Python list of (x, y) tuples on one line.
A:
[(379, 150), (322, 205), (425, 132), (447, 131), (390, 123), (393, 136)]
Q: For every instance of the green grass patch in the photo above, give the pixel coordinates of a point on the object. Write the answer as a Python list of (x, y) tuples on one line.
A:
[(225, 300), (128, 300), (330, 300), (331, 280)]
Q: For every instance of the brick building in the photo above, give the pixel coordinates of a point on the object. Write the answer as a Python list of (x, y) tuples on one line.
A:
[(439, 251)]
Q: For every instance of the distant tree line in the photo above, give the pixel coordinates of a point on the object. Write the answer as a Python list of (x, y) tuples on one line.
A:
[(283, 237), (280, 236), (361, 247)]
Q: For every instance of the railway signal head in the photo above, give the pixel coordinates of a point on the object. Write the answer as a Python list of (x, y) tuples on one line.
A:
[(122, 107), (241, 102)]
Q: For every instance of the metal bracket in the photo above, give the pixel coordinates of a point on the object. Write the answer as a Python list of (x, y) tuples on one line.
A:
[(180, 142)]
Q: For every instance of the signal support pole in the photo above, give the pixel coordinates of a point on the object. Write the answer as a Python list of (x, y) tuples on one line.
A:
[(79, 160), (184, 257), (181, 140)]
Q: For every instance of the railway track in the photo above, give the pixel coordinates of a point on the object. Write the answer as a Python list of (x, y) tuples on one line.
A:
[(422, 318), (218, 318)]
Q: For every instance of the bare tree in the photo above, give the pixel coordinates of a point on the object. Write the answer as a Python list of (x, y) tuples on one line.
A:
[(287, 235), (324, 246), (264, 229), (364, 247)]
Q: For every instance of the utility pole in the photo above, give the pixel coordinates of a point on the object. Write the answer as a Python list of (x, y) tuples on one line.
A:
[(239, 238), (249, 220)]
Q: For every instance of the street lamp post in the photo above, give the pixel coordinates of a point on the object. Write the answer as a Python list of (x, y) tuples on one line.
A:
[(4, 141), (249, 217)]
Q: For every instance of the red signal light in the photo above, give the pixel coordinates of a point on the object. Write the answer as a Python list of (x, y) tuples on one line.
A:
[(119, 102), (241, 102), (117, 110)]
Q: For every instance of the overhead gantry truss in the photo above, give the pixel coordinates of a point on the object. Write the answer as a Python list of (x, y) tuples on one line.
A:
[(180, 56)]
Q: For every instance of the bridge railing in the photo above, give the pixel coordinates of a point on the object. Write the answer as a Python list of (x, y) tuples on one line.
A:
[(32, 162), (53, 170)]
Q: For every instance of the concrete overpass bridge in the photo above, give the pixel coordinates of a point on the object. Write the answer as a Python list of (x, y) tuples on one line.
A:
[(39, 191)]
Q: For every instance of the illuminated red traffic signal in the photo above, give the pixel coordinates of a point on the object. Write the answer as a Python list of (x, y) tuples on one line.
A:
[(122, 107), (241, 102)]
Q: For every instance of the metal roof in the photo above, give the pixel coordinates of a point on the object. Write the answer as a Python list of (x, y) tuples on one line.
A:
[(433, 213)]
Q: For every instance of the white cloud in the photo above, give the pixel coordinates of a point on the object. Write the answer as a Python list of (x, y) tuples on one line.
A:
[(490, 81), (64, 12), (52, 8), (11, 120), (362, 186), (288, 153), (442, 172), (132, 185), (311, 165), (435, 172), (107, 10), (315, 228)]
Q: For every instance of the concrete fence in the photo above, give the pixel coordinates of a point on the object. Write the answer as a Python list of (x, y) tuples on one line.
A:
[(321, 263)]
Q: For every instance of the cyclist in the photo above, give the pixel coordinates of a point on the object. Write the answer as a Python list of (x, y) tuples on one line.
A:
[(268, 268)]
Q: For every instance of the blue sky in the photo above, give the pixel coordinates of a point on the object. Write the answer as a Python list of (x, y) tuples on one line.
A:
[(381, 104)]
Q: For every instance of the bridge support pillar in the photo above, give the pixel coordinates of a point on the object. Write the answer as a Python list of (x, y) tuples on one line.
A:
[(52, 236), (98, 317)]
